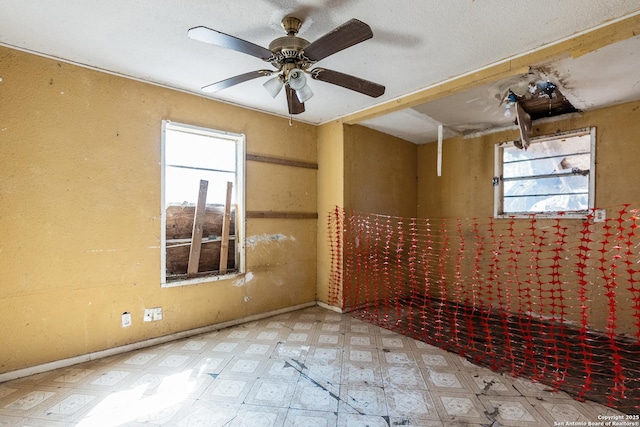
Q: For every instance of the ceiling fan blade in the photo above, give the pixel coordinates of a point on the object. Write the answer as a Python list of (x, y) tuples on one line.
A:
[(346, 35), (348, 81), (217, 38), (294, 104), (223, 84)]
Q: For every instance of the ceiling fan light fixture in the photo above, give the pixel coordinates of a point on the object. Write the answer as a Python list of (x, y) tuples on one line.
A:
[(304, 93), (274, 86), (296, 79), (298, 82)]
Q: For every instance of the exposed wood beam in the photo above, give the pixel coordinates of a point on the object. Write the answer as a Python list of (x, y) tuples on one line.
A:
[(226, 221), (196, 235), (437, 91), (577, 45), (604, 36)]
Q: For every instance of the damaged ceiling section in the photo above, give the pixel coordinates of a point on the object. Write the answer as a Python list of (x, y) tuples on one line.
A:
[(598, 79), (492, 106), (541, 99)]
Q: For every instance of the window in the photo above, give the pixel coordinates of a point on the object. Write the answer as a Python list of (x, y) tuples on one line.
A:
[(554, 176), (202, 204)]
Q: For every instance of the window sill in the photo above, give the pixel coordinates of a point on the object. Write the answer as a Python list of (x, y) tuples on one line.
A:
[(550, 215), (199, 280)]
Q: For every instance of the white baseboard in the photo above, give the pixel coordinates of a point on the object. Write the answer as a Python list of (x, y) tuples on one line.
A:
[(330, 307), (32, 370)]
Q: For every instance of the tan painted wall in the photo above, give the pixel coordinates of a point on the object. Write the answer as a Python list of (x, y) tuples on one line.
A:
[(80, 212), (380, 173), (330, 195), (363, 170), (465, 191)]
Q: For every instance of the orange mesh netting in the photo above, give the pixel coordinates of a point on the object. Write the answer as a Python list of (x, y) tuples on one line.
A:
[(555, 300)]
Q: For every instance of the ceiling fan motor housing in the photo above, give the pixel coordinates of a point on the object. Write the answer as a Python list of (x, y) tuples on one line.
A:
[(288, 49)]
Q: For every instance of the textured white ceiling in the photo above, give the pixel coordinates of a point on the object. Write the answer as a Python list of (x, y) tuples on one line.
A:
[(416, 44)]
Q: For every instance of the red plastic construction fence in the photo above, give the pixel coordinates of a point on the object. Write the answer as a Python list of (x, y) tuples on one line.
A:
[(556, 300)]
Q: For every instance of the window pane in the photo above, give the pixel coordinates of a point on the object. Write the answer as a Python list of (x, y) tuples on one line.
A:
[(554, 147), (552, 175), (531, 204), (197, 150), (182, 186), (190, 155), (559, 164), (547, 186)]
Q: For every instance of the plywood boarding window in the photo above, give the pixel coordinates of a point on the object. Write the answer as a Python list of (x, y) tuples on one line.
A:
[(202, 204), (554, 176)]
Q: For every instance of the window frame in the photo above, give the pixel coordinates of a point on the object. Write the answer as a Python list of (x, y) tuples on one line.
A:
[(498, 200), (240, 141)]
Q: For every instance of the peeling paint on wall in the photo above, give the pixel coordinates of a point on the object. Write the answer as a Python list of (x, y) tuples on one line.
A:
[(246, 279), (253, 241)]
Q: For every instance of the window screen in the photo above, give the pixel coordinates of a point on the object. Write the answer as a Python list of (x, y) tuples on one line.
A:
[(552, 177)]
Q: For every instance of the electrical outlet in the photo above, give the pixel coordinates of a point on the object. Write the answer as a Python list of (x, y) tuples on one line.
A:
[(126, 319), (157, 313), (148, 315), (599, 215)]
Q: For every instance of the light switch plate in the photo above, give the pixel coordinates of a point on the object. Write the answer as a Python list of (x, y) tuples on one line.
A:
[(157, 313)]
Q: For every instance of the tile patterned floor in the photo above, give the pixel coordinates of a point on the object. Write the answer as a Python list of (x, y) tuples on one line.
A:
[(311, 367)]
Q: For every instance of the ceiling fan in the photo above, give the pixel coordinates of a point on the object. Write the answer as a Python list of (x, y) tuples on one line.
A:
[(292, 56)]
